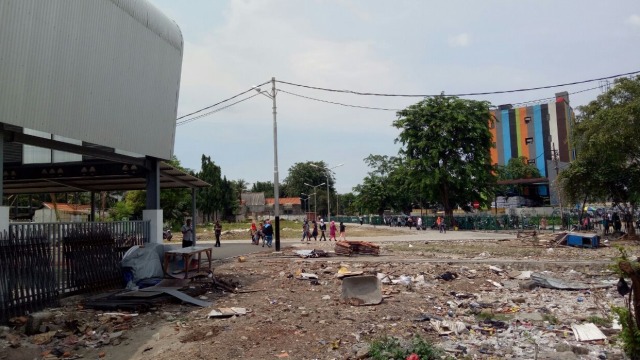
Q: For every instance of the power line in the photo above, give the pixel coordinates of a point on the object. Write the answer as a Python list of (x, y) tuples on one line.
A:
[(223, 101), (463, 94), (389, 109), (337, 103), (184, 122), (178, 123), (551, 98)]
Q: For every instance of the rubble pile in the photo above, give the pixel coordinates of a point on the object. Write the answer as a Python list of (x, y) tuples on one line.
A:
[(477, 300), (67, 332), (348, 248)]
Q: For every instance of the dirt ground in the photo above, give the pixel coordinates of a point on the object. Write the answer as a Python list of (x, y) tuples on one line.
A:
[(300, 319)]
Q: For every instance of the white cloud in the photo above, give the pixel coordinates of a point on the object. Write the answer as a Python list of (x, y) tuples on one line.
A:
[(460, 40), (634, 20)]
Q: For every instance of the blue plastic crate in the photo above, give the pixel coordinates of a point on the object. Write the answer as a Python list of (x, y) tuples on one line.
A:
[(585, 240)]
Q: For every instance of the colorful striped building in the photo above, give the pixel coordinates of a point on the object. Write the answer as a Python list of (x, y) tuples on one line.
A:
[(533, 132)]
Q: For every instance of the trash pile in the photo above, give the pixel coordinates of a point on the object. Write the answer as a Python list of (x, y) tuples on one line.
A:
[(348, 248), (62, 334)]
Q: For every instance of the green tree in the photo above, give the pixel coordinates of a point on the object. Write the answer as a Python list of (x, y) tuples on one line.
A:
[(263, 186), (301, 173), (607, 142), (446, 149), (383, 188), (346, 204), (210, 198), (120, 210), (516, 168), (230, 198)]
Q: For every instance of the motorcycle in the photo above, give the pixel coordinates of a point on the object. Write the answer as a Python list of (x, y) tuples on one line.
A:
[(166, 234)]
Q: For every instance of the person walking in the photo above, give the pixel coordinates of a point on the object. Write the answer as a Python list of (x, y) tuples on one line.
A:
[(260, 234), (314, 232), (268, 233), (305, 230), (332, 231), (323, 229), (187, 234), (419, 225), (253, 231), (343, 231), (217, 228)]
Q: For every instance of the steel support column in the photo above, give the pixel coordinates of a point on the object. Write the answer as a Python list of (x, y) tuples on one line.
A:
[(153, 184), (194, 215)]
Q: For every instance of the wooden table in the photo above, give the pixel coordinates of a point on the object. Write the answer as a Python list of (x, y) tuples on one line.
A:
[(188, 254)]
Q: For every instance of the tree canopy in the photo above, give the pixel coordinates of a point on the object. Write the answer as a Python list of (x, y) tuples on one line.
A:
[(306, 173), (383, 188), (607, 142), (445, 151)]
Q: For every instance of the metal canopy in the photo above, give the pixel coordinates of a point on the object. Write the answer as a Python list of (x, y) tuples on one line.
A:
[(90, 176)]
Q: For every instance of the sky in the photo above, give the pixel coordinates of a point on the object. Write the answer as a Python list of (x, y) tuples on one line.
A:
[(375, 46)]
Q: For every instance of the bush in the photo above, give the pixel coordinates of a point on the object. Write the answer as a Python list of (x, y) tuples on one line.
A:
[(392, 348)]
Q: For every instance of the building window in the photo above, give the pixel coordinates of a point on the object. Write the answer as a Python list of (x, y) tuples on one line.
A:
[(527, 119), (532, 161), (528, 140)]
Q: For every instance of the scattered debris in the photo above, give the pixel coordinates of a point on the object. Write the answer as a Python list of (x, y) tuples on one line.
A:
[(345, 272), (348, 248), (554, 283), (448, 276), (227, 312), (361, 290), (315, 253), (587, 332), (306, 276), (445, 327)]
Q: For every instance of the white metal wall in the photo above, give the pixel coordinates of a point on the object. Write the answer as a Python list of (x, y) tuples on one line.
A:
[(101, 71)]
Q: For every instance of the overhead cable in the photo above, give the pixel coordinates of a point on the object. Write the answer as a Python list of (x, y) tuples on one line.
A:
[(223, 101), (462, 94), (183, 122), (337, 103)]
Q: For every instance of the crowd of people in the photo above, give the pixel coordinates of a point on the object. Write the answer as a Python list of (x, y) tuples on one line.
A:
[(262, 232), (310, 230)]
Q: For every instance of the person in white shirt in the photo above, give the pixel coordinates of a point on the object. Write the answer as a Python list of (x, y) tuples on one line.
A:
[(187, 234)]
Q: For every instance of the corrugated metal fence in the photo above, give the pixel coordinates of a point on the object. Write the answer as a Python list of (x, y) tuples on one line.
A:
[(40, 262)]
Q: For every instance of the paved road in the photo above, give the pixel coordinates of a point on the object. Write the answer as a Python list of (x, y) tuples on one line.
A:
[(231, 248)]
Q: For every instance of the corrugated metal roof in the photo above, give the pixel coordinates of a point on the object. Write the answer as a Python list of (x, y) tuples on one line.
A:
[(283, 201), (252, 198), (53, 180), (70, 208)]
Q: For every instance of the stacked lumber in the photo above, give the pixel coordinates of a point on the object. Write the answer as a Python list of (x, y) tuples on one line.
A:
[(347, 248)]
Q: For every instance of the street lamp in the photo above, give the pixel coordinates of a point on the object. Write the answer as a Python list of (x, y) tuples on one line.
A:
[(327, 170), (315, 198), (276, 191), (306, 208)]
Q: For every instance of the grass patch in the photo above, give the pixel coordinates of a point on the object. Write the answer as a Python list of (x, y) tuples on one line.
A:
[(482, 316), (393, 348), (551, 319), (597, 320)]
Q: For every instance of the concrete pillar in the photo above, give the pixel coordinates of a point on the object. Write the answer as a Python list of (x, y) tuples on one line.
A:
[(4, 218), (155, 217)]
